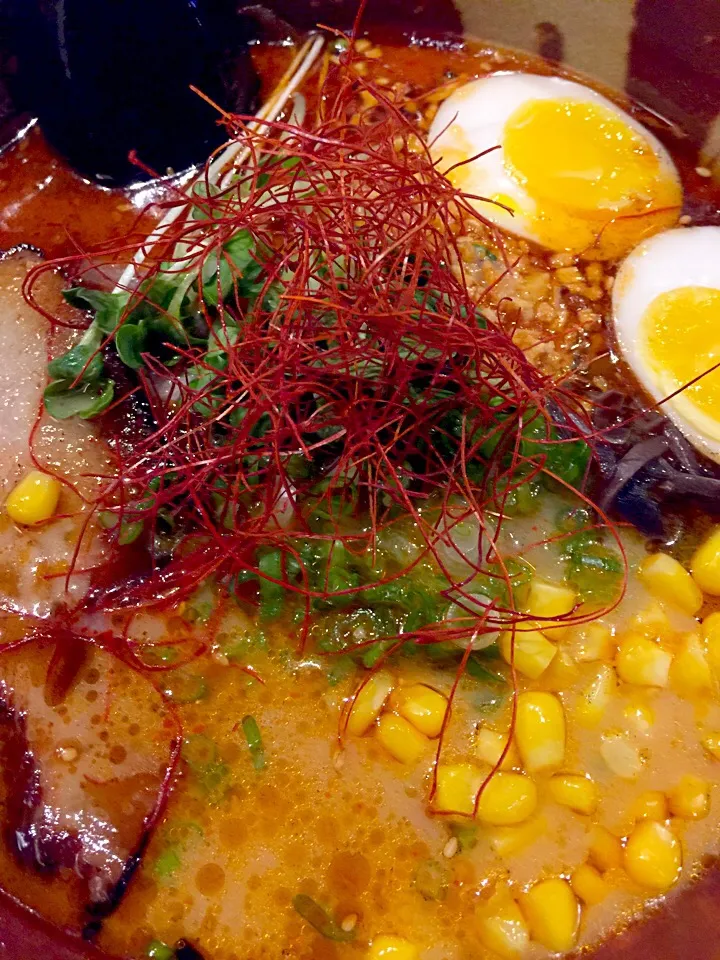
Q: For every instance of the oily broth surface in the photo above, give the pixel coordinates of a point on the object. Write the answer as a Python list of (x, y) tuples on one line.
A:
[(350, 827)]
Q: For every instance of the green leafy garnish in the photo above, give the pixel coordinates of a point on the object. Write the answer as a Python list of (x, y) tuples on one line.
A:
[(130, 343), (107, 307), (81, 361), (478, 670), (165, 311), (85, 400), (320, 919)]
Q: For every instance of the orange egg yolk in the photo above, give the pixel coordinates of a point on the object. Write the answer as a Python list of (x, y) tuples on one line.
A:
[(579, 155), (680, 331), (595, 181)]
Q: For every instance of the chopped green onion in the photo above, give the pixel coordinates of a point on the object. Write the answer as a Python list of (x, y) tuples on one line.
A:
[(466, 834), (272, 593), (157, 950), (595, 571), (199, 752), (254, 741), (340, 670), (484, 253), (159, 653), (340, 45), (319, 918), (167, 864), (432, 880), (183, 686), (201, 755)]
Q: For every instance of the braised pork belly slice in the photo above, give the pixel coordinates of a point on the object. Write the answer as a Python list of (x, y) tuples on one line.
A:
[(34, 560), (87, 746)]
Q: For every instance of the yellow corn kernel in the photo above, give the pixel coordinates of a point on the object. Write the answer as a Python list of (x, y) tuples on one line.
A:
[(507, 841), (705, 564), (652, 856), (540, 731), (553, 914), (400, 738), (605, 850), (690, 670), (639, 717), (549, 600), (34, 499), (507, 799), (642, 661), (690, 799), (532, 653), (711, 742), (595, 698), (589, 885), (368, 703), (711, 635), (651, 621), (457, 787), (424, 707), (489, 745), (501, 926), (670, 582), (392, 948), (562, 673), (591, 641), (571, 790), (650, 805), (621, 755)]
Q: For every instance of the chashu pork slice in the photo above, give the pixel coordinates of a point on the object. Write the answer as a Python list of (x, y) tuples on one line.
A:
[(34, 561), (87, 751)]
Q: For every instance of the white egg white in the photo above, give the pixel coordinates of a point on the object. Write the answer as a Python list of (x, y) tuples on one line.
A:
[(472, 120), (686, 257)]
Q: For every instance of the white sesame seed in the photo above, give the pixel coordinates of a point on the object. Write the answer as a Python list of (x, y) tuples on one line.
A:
[(685, 219), (349, 922), (339, 760), (68, 754), (451, 848), (703, 171)]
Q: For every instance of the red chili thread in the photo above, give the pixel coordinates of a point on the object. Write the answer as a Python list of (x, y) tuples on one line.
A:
[(373, 341)]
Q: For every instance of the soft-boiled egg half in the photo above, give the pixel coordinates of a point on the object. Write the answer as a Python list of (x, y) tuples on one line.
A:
[(666, 305), (575, 172)]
